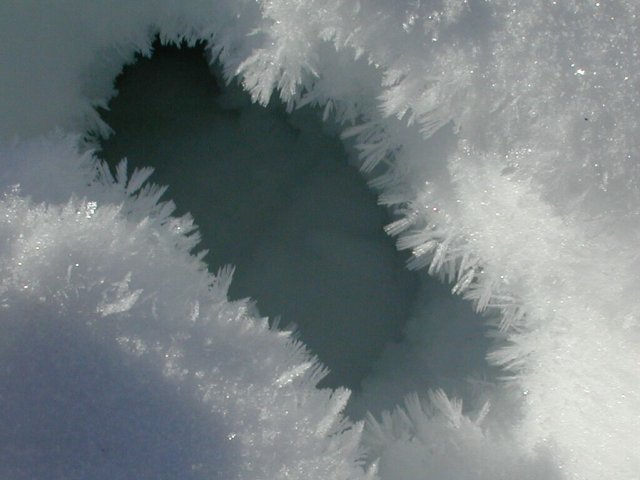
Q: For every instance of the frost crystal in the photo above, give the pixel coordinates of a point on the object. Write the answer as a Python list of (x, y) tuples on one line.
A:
[(502, 134)]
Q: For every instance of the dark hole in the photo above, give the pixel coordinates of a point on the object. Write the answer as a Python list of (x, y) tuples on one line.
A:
[(273, 194)]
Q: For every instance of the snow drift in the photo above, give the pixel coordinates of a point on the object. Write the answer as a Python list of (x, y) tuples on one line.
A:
[(502, 136)]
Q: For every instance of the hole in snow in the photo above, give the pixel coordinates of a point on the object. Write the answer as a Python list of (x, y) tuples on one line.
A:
[(273, 194)]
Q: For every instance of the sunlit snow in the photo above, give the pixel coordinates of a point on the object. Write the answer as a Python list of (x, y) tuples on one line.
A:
[(500, 137)]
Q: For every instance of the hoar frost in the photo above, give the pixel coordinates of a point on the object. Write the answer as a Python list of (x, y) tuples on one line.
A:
[(504, 137), (151, 325)]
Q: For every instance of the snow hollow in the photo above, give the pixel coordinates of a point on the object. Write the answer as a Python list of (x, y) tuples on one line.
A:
[(274, 195)]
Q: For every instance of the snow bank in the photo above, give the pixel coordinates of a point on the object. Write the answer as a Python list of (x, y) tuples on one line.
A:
[(501, 134), (121, 349)]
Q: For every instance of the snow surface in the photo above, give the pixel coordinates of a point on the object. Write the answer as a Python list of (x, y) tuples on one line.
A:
[(506, 135)]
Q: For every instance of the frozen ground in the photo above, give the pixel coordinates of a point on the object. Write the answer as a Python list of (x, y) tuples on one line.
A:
[(274, 195)]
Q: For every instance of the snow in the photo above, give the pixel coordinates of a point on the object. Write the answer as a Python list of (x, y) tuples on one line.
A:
[(501, 136), (117, 343)]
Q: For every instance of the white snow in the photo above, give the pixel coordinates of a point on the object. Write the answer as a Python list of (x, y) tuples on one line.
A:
[(121, 354), (506, 138)]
